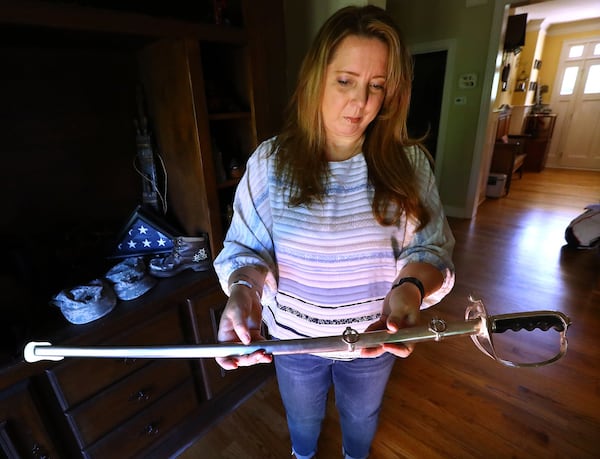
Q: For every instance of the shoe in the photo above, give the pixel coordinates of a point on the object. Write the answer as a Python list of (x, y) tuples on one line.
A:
[(188, 253), (129, 278)]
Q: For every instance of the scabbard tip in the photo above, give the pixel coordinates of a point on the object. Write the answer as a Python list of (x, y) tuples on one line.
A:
[(30, 352)]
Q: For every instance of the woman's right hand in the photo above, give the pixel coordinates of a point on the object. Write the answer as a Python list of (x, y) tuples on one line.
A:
[(241, 321)]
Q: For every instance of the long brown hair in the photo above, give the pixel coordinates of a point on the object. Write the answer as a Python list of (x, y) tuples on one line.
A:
[(300, 148)]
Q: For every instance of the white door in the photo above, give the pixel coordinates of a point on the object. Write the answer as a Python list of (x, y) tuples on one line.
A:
[(576, 100)]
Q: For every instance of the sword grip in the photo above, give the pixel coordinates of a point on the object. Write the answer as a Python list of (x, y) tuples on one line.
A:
[(542, 320)]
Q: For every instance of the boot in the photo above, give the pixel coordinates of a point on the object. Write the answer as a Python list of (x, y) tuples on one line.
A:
[(188, 253)]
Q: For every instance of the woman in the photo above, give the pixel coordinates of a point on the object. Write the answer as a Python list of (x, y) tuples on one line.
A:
[(337, 222)]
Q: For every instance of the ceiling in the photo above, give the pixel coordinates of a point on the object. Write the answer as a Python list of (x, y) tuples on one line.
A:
[(556, 11)]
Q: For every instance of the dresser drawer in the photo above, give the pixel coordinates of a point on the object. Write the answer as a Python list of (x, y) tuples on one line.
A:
[(75, 380), (149, 427), (109, 408), (23, 432), (206, 312)]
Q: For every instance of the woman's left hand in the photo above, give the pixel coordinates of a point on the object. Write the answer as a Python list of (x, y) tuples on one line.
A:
[(401, 309)]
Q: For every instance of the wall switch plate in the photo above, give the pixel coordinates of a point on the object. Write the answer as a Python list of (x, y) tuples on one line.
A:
[(467, 80)]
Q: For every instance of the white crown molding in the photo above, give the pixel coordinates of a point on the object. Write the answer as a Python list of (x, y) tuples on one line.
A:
[(588, 25)]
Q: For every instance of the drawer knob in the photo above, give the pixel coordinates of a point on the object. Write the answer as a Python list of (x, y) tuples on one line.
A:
[(142, 395), (151, 429), (38, 452)]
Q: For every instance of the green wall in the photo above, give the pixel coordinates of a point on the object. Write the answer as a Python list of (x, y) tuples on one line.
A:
[(303, 18), (426, 21)]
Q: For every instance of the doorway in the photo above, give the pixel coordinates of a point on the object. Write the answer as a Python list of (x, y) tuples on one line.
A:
[(426, 97), (576, 100)]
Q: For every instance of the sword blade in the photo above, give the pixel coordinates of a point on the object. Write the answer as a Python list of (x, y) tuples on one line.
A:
[(350, 340)]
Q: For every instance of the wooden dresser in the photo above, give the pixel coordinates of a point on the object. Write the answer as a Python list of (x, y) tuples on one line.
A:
[(96, 408)]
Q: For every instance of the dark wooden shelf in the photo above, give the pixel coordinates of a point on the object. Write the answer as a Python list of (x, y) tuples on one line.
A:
[(74, 17)]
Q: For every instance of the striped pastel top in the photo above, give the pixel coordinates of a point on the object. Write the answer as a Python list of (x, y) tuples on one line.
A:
[(329, 265)]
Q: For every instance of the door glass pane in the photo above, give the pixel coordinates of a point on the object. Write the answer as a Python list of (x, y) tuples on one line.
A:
[(576, 51), (597, 49), (592, 85), (568, 83)]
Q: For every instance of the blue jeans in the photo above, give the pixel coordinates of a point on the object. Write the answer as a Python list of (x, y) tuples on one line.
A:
[(304, 382)]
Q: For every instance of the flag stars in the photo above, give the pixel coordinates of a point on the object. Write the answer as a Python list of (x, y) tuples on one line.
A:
[(142, 237)]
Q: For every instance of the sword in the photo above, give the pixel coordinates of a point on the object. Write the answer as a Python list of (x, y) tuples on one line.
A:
[(477, 324)]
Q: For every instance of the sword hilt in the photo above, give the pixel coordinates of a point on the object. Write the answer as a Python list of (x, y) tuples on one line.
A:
[(542, 320)]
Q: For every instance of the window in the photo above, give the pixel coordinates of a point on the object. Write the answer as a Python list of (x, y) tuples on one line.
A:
[(592, 84), (576, 51), (582, 61), (568, 82)]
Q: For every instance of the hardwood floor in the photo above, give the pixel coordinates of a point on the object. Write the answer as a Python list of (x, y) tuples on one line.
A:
[(450, 401)]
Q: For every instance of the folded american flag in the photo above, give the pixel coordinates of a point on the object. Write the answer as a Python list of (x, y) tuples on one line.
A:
[(144, 234)]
